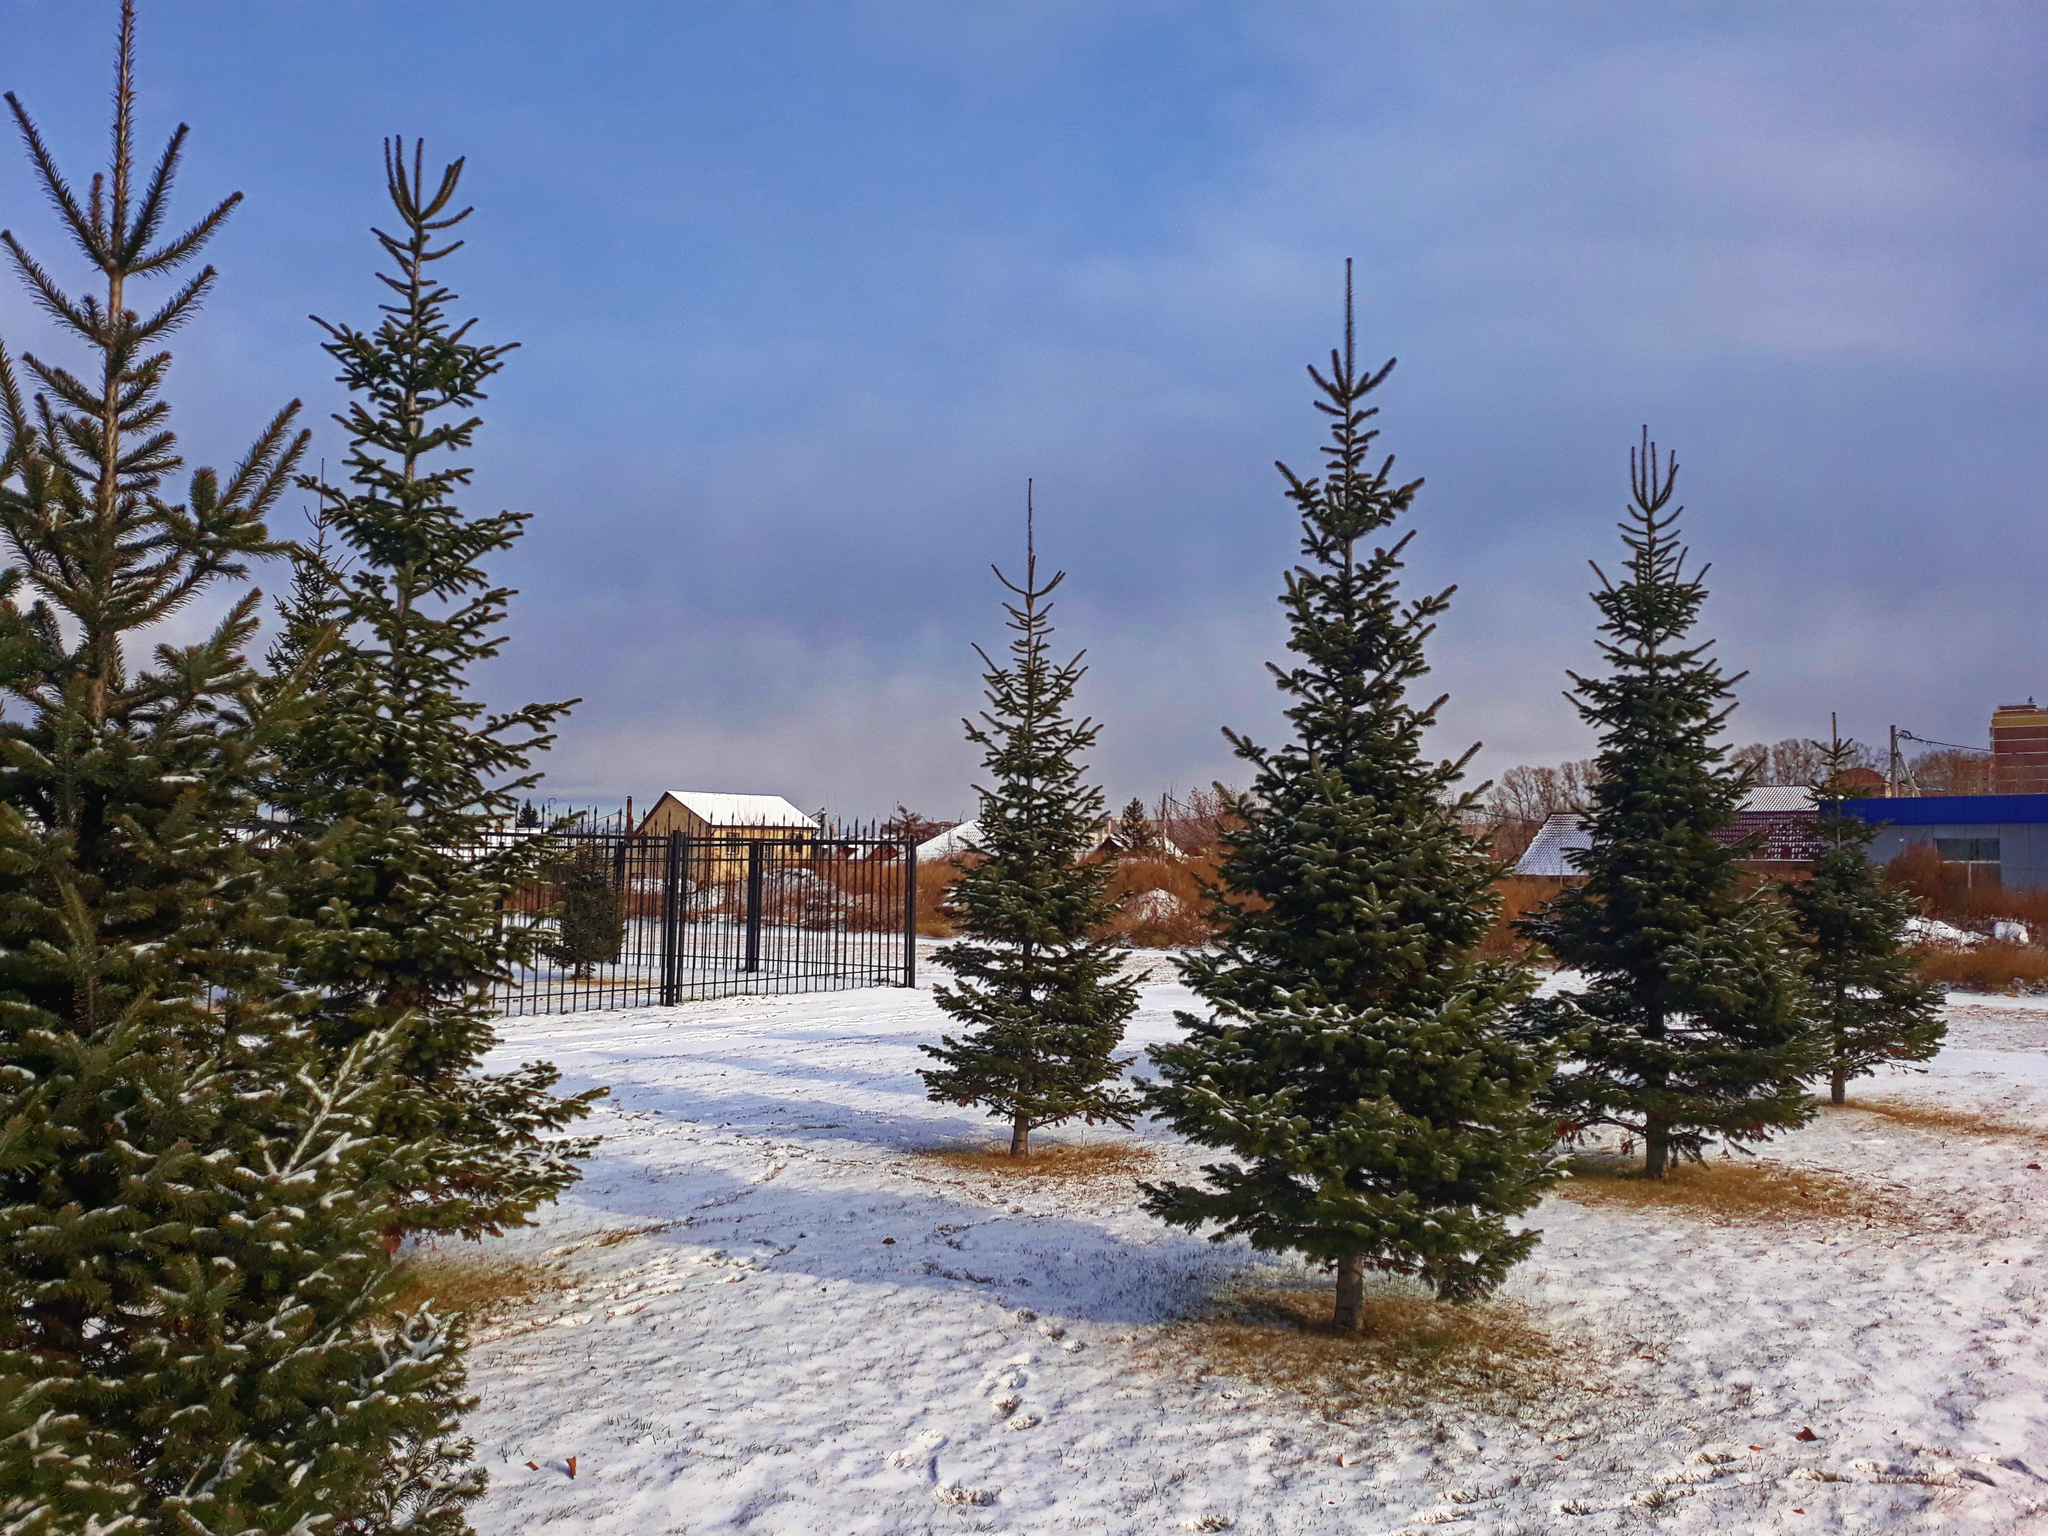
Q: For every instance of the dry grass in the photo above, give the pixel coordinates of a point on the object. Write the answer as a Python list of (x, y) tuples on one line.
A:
[(473, 1286), (1519, 896), (1942, 891), (1988, 967), (1946, 1122), (1052, 1160), (1408, 1348), (1726, 1190), (934, 878), (1175, 919)]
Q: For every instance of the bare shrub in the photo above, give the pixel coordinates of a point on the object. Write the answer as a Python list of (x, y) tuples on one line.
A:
[(1725, 1190), (1195, 825), (1917, 870)]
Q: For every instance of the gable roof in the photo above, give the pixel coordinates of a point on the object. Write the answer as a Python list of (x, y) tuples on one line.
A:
[(723, 810), (1565, 831), (965, 838), (1778, 797), (1561, 833)]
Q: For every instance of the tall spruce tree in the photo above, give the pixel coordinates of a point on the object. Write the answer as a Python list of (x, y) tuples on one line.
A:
[(399, 774), (1867, 995), (1691, 1024), (1358, 1063), (1039, 993), (196, 1324)]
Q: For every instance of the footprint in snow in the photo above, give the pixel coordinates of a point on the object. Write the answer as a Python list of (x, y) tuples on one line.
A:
[(919, 1450)]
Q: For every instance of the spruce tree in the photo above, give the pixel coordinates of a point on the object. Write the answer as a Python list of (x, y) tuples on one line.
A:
[(400, 775), (1040, 995), (1691, 1024), (1867, 996), (196, 1324), (590, 920), (1134, 828), (1358, 1063)]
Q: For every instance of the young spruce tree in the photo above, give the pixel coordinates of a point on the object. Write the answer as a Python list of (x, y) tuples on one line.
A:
[(1691, 1024), (196, 1325), (1044, 1008), (1866, 992), (399, 773), (1359, 1064)]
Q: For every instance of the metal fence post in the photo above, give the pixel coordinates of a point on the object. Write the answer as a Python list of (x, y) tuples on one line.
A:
[(671, 918), (755, 852), (910, 912)]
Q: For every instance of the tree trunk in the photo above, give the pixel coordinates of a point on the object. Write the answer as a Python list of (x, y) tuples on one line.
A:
[(1350, 1293), (1020, 1137), (1838, 1085), (1656, 1145)]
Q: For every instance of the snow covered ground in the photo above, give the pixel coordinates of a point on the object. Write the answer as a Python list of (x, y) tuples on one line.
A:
[(779, 1318)]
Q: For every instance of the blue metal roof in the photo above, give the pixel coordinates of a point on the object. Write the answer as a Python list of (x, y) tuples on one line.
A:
[(1951, 810)]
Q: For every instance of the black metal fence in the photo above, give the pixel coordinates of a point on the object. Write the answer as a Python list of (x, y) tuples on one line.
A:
[(620, 919)]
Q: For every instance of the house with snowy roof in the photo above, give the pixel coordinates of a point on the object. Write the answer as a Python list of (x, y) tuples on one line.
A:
[(705, 813), (951, 843)]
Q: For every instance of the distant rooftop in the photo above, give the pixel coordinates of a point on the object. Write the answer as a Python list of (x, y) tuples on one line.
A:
[(1562, 833), (1565, 831), (723, 810)]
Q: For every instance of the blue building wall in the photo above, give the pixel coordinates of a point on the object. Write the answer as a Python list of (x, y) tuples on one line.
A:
[(2018, 822)]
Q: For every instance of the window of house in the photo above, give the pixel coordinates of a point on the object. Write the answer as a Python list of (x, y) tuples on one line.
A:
[(1967, 850)]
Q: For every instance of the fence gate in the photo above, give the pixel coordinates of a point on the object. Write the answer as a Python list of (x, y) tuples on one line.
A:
[(616, 919)]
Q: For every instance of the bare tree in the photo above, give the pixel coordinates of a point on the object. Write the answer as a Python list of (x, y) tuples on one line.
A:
[(1950, 772), (1527, 795), (1795, 760)]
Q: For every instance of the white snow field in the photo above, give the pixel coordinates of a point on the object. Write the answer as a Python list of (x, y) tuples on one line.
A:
[(740, 1346)]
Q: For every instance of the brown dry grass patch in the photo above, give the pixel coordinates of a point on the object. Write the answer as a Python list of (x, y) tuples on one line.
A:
[(1408, 1348), (1946, 1122), (1177, 918), (1050, 1160), (1726, 1190), (1519, 896), (1992, 966), (473, 1286)]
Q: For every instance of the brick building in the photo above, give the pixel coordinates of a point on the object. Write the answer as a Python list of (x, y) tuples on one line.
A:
[(2019, 749)]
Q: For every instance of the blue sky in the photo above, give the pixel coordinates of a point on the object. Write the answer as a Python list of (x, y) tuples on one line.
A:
[(805, 291)]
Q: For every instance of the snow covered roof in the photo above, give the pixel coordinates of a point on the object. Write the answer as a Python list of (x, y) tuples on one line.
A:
[(1561, 832), (1778, 797), (1565, 831), (965, 838), (721, 810)]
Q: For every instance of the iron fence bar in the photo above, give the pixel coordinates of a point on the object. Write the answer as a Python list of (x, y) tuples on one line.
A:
[(757, 854), (705, 917), (672, 920), (910, 912)]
